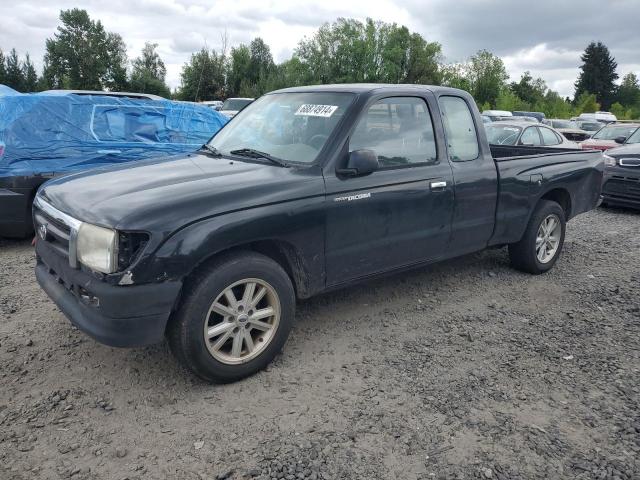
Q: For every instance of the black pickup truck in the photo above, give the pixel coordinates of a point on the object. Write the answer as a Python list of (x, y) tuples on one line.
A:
[(308, 189)]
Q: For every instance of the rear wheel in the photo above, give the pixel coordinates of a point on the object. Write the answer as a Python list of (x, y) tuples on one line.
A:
[(235, 319), (541, 244)]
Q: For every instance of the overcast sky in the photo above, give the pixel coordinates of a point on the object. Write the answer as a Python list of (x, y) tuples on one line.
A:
[(543, 36)]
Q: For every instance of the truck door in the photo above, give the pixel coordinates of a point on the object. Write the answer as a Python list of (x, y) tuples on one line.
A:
[(400, 214), (474, 174)]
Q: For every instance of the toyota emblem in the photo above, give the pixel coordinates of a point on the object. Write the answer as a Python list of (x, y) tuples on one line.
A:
[(42, 230)]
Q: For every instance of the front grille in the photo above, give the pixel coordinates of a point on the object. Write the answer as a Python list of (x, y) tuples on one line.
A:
[(53, 231), (621, 185), (58, 229)]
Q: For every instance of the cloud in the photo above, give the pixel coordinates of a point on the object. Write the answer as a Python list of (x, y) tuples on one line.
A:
[(545, 37)]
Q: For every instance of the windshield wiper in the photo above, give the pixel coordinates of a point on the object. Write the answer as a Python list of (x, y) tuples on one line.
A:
[(212, 150), (252, 153)]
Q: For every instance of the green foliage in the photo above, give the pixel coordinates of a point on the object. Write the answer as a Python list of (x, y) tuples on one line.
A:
[(487, 76), (30, 83), (82, 55), (14, 76), (149, 72), (203, 77), (629, 91), (351, 51), (529, 90), (587, 103), (598, 74), (3, 71)]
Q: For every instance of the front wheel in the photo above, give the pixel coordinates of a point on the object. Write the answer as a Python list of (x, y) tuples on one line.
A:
[(235, 318), (542, 242)]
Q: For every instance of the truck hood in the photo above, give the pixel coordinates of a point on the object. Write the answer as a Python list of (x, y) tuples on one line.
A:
[(163, 195)]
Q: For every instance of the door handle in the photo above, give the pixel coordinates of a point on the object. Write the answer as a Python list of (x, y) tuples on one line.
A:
[(438, 186)]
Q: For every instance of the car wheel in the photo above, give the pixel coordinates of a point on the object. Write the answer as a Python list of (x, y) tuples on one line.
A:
[(235, 318), (541, 244)]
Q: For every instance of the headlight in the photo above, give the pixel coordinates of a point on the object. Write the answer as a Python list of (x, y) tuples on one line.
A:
[(98, 248), (609, 161)]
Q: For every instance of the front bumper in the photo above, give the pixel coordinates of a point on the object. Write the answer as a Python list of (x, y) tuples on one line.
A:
[(118, 316), (621, 187)]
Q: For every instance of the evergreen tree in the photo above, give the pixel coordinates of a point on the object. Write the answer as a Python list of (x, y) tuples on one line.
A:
[(629, 91), (30, 75), (203, 76), (598, 74), (3, 70), (14, 77)]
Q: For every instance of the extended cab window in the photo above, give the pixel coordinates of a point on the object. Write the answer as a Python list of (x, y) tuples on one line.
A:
[(399, 130), (459, 128)]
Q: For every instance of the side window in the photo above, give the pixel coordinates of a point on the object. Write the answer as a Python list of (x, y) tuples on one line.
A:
[(549, 137), (530, 136), (399, 130), (459, 128)]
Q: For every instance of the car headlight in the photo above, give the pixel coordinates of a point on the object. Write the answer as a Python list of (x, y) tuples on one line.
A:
[(609, 161), (97, 248)]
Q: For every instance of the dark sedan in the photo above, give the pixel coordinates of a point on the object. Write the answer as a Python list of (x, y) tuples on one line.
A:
[(622, 174)]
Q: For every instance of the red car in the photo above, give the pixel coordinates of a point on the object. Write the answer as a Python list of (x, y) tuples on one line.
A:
[(610, 136)]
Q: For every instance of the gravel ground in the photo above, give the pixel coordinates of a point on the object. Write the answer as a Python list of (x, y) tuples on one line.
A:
[(464, 370)]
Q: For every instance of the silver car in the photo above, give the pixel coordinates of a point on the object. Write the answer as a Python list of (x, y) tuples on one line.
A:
[(526, 134)]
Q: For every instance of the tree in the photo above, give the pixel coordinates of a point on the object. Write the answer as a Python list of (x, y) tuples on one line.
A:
[(351, 51), (149, 72), (238, 68), (587, 103), (3, 71), (598, 74), (529, 90), (14, 76), (82, 55), (203, 76), (30, 75), (487, 76), (629, 91)]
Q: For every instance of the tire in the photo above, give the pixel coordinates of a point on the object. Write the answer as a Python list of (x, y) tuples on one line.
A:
[(229, 278), (525, 255)]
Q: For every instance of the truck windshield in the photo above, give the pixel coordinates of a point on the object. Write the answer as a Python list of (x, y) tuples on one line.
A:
[(614, 131), (635, 138), (289, 126), (502, 134)]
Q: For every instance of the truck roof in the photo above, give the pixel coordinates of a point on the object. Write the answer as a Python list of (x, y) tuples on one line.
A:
[(367, 88)]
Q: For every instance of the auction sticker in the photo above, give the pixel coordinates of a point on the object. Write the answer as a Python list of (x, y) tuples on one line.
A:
[(310, 110)]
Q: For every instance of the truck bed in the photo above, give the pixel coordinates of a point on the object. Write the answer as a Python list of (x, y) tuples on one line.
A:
[(573, 178)]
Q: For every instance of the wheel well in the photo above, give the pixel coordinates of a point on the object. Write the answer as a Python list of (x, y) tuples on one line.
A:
[(561, 197), (283, 253)]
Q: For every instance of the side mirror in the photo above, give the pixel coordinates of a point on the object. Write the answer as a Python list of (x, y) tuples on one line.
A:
[(361, 162), (620, 140)]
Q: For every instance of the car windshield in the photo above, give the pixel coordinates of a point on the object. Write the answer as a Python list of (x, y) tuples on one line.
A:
[(563, 124), (235, 104), (590, 126), (289, 126), (502, 134), (635, 137), (614, 131)]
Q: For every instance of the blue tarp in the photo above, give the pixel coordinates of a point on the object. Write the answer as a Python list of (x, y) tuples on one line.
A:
[(54, 133)]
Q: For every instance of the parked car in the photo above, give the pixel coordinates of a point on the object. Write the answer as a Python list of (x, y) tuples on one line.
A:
[(590, 126), (102, 93), (610, 136), (309, 190), (539, 116), (215, 104), (232, 106), (604, 117), (494, 114), (622, 174), (568, 129), (50, 134), (524, 133), (519, 118), (485, 118)]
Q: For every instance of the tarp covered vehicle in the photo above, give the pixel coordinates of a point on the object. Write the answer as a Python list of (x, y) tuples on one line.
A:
[(48, 134)]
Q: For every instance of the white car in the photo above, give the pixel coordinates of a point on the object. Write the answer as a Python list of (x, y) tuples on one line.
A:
[(232, 106), (605, 117), (215, 104)]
